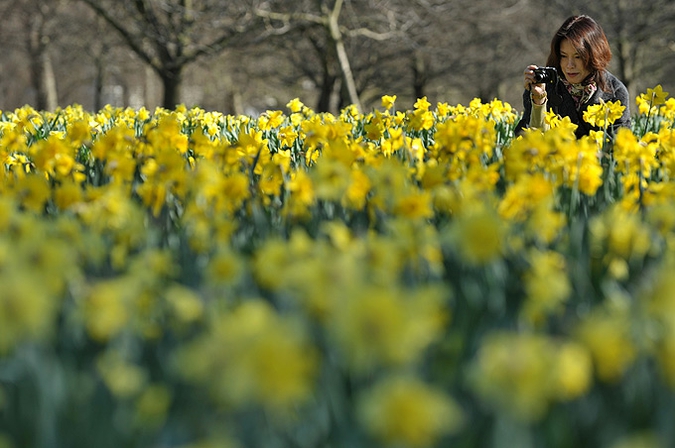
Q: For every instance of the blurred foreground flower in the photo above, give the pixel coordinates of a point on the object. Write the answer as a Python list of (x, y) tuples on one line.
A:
[(252, 356), (384, 326), (521, 375), (479, 235), (404, 411), (607, 333)]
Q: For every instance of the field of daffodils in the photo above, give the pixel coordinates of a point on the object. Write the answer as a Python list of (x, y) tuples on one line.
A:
[(407, 277)]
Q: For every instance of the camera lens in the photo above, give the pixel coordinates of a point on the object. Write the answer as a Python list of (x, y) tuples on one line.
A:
[(541, 76), (544, 75)]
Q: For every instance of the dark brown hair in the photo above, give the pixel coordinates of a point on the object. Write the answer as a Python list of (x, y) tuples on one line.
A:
[(589, 40)]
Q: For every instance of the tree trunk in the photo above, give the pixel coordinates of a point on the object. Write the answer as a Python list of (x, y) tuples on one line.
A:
[(625, 62), (343, 58), (41, 70), (98, 83), (43, 81), (49, 82), (149, 88), (99, 51), (420, 75), (171, 81), (36, 82), (327, 87), (237, 108)]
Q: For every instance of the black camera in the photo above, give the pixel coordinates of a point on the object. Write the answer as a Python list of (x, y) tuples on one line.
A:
[(545, 75)]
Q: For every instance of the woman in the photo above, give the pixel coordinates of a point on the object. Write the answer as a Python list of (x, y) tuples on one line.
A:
[(580, 54)]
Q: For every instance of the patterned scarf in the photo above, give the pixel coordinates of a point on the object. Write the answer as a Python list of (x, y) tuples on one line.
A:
[(581, 92)]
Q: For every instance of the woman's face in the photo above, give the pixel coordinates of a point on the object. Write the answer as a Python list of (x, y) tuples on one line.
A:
[(572, 65)]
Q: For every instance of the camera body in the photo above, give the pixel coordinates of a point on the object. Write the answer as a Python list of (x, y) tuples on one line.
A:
[(545, 75)]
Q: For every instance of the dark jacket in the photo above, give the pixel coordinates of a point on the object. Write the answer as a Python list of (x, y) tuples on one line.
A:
[(562, 103)]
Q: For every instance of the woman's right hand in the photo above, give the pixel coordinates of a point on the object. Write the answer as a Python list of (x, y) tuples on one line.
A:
[(537, 91)]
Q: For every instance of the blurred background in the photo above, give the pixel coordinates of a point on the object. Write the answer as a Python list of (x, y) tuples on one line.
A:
[(248, 56)]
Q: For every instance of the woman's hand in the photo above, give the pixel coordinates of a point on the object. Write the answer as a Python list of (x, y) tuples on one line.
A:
[(537, 91)]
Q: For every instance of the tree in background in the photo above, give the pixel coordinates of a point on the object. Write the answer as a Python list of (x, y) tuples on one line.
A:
[(435, 48), (168, 35), (249, 55), (332, 31), (33, 26)]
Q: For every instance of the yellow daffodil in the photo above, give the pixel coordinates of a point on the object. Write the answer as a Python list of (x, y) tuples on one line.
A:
[(422, 104), (253, 356), (405, 411), (656, 95), (523, 374), (546, 286), (607, 334), (257, 265), (388, 101), (480, 236), (603, 114)]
